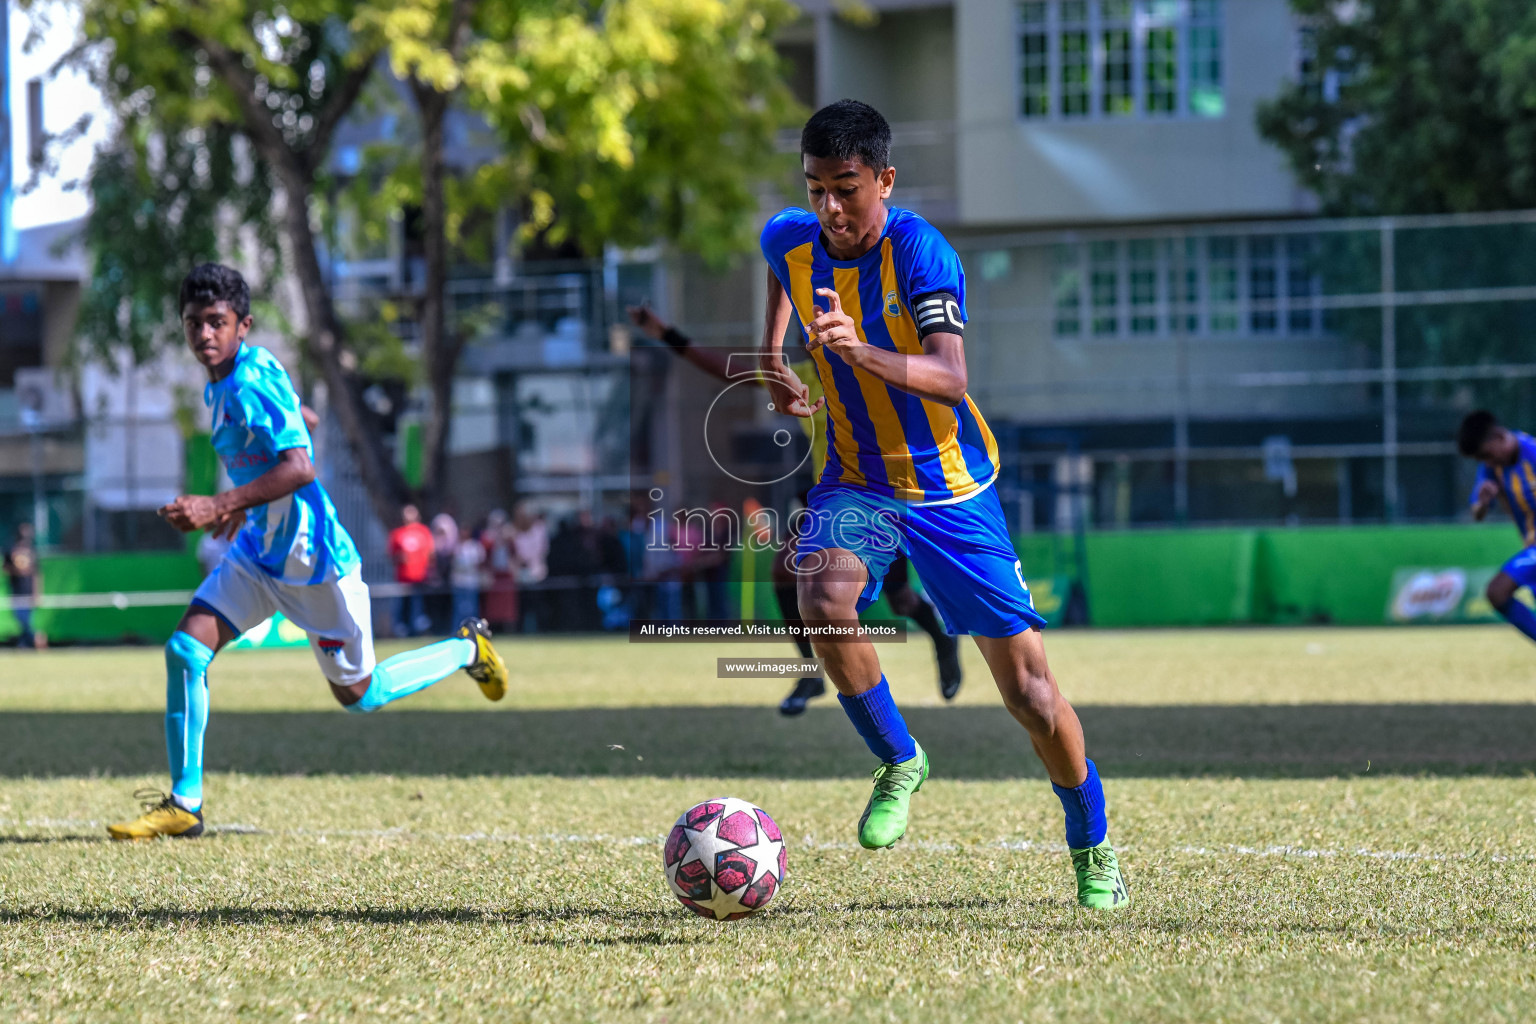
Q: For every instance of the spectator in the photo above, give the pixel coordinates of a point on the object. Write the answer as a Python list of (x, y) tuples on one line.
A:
[(529, 539), (466, 577), (439, 602), (26, 582), (411, 549), (501, 598), (575, 558)]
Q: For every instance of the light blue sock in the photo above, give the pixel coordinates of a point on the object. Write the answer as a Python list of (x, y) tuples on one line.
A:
[(1517, 614), (186, 715), (406, 673)]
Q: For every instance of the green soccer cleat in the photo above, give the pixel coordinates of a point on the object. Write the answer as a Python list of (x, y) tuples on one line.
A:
[(885, 816), (1100, 884)]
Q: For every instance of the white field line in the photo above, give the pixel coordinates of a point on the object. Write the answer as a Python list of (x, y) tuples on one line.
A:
[(809, 843)]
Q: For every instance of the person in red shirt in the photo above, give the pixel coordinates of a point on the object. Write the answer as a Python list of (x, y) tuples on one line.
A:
[(411, 548)]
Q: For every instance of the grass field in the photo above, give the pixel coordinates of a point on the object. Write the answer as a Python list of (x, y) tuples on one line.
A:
[(1318, 825)]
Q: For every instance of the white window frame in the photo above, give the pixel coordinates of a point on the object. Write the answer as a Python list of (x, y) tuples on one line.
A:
[(1095, 26), (1173, 256)]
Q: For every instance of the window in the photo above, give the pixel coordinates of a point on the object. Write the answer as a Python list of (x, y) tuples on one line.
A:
[(1067, 290), (1083, 59), (1255, 286), (1104, 286)]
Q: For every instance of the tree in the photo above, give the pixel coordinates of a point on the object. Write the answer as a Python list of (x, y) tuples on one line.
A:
[(1412, 106), (1422, 107), (622, 121), (619, 123)]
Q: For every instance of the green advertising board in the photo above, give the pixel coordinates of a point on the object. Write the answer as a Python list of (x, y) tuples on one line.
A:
[(1445, 594)]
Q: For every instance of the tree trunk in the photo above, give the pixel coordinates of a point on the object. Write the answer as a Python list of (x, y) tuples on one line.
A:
[(439, 347), (324, 343)]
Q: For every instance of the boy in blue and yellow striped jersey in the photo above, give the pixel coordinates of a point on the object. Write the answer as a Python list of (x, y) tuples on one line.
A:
[(1507, 466), (879, 297)]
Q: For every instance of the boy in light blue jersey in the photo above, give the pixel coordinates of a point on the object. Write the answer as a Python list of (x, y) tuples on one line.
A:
[(290, 554), (1507, 467)]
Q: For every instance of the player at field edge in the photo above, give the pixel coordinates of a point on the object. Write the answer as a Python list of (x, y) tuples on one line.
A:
[(879, 296), (289, 553), (903, 597), (1506, 466)]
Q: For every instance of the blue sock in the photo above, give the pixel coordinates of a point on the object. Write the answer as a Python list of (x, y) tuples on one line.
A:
[(186, 715), (1517, 614), (1086, 824), (874, 714), (406, 673)]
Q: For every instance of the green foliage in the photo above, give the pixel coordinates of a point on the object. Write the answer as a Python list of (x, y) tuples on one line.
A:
[(624, 122), (621, 122), (1413, 106), (157, 205)]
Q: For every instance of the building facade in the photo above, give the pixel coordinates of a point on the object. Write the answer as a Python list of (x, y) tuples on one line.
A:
[(1158, 322)]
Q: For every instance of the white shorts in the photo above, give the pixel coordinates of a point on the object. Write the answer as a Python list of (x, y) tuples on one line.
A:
[(337, 614)]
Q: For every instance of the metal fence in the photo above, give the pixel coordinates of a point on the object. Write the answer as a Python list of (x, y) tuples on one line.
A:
[(1307, 370)]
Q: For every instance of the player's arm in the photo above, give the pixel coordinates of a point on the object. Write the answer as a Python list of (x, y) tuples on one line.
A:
[(199, 511), (311, 418), (938, 374), (1484, 493), (790, 395), (712, 362)]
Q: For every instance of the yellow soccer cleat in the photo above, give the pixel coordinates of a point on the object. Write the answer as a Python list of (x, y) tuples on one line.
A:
[(162, 817), (487, 669)]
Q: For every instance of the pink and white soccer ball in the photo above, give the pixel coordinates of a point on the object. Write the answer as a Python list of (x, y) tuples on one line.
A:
[(725, 859)]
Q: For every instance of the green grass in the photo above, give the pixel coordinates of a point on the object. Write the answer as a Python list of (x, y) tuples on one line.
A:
[(1318, 826)]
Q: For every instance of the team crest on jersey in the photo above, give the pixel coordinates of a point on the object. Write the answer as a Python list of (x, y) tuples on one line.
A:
[(892, 304), (329, 647)]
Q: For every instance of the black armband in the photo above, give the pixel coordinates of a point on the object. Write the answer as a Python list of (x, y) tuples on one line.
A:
[(937, 313), (676, 340)]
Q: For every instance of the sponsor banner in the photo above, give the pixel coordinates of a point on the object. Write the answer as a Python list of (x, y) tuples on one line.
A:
[(1451, 594)]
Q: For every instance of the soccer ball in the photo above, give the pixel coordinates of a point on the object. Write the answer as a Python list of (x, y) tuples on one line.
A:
[(725, 859)]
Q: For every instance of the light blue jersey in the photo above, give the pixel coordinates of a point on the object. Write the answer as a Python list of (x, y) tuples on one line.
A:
[(296, 539)]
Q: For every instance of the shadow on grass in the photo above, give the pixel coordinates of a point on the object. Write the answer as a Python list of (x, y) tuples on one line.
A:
[(964, 742), (650, 920)]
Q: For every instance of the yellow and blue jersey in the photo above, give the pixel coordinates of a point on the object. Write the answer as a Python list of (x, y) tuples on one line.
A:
[(879, 437), (1517, 483)]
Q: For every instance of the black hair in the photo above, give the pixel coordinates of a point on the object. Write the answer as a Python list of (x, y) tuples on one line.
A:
[(213, 282), (848, 130), (1474, 431)]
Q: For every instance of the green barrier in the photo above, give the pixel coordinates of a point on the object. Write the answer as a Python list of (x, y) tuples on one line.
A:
[(1171, 577), (97, 574), (1344, 575)]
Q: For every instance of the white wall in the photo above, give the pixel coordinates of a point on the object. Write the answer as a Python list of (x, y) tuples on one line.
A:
[(1015, 172), (65, 98)]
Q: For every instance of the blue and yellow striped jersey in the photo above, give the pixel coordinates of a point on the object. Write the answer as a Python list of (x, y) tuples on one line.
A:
[(881, 438), (1518, 485)]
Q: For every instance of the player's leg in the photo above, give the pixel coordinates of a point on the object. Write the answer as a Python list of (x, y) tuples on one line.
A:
[(1518, 572), (905, 600), (807, 688), (834, 587), (338, 618), (228, 601), (964, 555), (1029, 691)]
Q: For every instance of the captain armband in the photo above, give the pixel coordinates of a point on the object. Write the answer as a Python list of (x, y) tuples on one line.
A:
[(938, 313)]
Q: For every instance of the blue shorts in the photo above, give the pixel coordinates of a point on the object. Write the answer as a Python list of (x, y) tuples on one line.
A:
[(961, 552), (1522, 568)]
